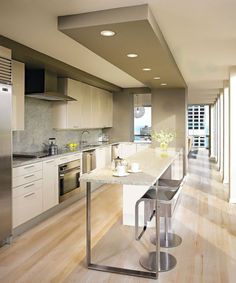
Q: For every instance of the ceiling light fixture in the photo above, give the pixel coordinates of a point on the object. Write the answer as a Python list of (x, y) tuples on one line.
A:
[(156, 78), (164, 84), (107, 33), (146, 69), (132, 55)]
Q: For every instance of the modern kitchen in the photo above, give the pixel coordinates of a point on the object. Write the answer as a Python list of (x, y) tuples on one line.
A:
[(101, 179)]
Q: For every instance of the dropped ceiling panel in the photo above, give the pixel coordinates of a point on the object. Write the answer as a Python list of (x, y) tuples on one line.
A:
[(136, 32)]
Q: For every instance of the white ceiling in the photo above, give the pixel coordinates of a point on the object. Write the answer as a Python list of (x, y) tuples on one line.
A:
[(201, 35)]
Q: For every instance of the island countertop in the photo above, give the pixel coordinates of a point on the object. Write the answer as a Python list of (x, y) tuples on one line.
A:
[(153, 164)]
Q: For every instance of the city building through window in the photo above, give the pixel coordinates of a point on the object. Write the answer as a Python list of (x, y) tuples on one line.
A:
[(198, 125)]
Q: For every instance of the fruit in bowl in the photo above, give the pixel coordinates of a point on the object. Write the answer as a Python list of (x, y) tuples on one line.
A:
[(72, 146)]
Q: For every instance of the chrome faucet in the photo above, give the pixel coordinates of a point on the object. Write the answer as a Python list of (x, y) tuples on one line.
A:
[(81, 137)]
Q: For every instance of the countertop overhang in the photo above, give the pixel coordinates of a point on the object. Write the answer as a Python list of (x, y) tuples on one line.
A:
[(153, 163)]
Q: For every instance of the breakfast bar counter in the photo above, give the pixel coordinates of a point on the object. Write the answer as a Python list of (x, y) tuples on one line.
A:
[(153, 164)]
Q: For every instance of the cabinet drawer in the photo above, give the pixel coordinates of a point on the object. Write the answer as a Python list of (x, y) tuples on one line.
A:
[(27, 178), (23, 170), (62, 160), (27, 202), (75, 156)]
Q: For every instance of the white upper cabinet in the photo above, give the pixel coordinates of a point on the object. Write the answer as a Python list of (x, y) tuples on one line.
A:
[(66, 114), (107, 109), (142, 99), (93, 108), (18, 96)]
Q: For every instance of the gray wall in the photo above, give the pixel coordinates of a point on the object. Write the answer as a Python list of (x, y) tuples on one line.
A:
[(123, 111), (38, 128), (169, 110)]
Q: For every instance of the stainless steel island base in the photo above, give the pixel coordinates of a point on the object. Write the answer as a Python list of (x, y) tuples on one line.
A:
[(167, 240), (167, 261), (151, 275), (153, 165)]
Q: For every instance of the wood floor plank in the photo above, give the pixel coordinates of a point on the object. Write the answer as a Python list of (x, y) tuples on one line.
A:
[(54, 251)]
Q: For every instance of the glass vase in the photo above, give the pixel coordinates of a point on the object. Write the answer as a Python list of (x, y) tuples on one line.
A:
[(164, 146)]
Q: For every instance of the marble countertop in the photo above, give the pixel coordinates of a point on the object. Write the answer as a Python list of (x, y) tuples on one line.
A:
[(153, 164), (26, 161), (142, 142)]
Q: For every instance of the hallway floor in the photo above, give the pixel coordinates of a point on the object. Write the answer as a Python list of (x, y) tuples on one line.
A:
[(54, 250)]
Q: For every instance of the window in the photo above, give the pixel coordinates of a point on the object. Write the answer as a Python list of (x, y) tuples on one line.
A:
[(198, 124), (143, 124)]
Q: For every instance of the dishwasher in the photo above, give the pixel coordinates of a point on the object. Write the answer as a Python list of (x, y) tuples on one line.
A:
[(89, 161)]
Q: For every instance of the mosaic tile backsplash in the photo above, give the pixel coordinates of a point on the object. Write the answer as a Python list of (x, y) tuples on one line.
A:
[(38, 128)]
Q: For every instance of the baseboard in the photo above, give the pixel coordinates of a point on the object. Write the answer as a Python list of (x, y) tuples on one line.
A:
[(213, 158), (232, 200)]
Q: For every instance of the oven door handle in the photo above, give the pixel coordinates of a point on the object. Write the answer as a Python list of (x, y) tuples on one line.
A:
[(69, 170)]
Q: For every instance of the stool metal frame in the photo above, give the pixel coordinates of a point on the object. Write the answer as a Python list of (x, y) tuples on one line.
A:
[(167, 239), (149, 262)]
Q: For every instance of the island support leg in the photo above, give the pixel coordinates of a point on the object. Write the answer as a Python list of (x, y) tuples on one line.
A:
[(105, 268), (88, 223), (157, 207)]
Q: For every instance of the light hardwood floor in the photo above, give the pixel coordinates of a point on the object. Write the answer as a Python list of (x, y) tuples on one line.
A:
[(54, 250)]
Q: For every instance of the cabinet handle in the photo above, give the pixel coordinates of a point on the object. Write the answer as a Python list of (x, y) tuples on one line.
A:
[(30, 185), (32, 175), (30, 166), (28, 195)]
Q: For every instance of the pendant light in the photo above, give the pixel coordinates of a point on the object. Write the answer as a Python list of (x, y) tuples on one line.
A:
[(139, 111)]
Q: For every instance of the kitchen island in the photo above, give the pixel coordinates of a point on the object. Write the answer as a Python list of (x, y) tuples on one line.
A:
[(153, 163)]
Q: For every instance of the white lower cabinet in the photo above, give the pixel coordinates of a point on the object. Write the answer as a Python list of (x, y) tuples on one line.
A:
[(103, 157), (27, 178), (142, 146), (127, 149), (50, 184), (27, 197), (108, 155), (100, 158), (27, 202)]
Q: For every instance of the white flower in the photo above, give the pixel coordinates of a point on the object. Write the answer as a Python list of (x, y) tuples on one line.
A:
[(163, 136)]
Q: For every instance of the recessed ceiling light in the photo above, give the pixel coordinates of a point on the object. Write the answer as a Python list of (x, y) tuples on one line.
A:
[(164, 84), (132, 55), (107, 33), (156, 78), (146, 69)]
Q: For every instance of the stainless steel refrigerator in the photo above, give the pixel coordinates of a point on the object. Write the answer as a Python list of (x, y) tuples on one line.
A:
[(5, 150)]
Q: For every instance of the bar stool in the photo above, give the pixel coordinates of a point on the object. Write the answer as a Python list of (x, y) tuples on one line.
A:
[(166, 260), (168, 195)]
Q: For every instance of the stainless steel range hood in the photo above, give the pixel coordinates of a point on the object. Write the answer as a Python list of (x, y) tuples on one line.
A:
[(42, 84)]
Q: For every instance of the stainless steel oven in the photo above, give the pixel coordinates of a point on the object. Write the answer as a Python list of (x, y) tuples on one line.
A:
[(69, 177)]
